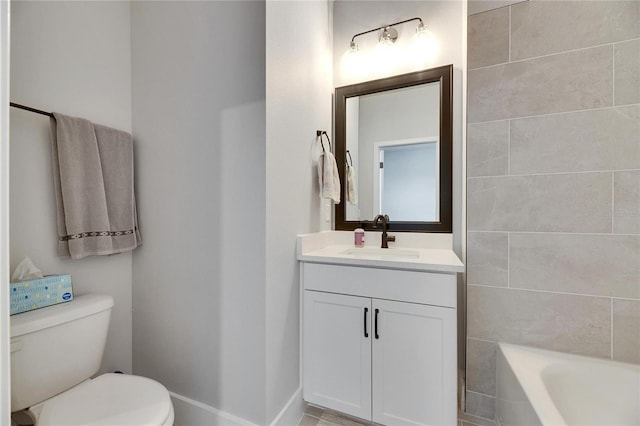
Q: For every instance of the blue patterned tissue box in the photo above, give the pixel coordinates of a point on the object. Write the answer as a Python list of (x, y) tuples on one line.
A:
[(39, 292)]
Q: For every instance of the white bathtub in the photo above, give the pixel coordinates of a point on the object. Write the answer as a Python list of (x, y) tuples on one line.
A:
[(538, 387)]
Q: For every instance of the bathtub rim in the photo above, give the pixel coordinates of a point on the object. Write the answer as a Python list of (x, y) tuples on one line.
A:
[(531, 381)]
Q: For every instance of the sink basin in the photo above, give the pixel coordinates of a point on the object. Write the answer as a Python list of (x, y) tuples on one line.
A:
[(380, 253)]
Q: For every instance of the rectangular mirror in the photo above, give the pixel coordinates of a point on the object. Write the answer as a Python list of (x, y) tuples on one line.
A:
[(393, 143)]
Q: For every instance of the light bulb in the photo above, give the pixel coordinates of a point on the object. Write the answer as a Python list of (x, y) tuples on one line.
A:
[(386, 56), (424, 46), (351, 60)]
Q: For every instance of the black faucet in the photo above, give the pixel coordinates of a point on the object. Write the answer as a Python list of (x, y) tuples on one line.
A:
[(385, 238)]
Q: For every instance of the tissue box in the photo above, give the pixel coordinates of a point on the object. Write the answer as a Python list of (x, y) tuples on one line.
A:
[(39, 292)]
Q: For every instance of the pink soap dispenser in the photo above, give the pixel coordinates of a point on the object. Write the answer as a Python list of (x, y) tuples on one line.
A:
[(358, 237)]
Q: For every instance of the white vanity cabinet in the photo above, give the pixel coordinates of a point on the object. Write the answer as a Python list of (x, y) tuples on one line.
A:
[(337, 354), (380, 344)]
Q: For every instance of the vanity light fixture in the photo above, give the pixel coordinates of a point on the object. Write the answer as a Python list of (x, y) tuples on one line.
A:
[(385, 56), (389, 35)]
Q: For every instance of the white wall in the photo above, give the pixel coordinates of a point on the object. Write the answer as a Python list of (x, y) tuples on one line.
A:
[(443, 18), (299, 92), (211, 321), (74, 58), (5, 382), (198, 120)]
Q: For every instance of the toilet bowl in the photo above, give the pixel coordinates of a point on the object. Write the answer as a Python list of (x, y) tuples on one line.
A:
[(54, 352), (109, 399)]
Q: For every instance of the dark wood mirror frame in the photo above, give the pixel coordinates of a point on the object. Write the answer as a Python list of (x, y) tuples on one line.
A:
[(444, 75)]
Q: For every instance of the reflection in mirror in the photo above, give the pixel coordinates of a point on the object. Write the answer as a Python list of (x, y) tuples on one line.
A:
[(408, 181), (393, 147), (392, 138)]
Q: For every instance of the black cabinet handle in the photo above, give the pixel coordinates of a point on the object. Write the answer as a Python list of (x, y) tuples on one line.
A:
[(376, 324), (366, 311)]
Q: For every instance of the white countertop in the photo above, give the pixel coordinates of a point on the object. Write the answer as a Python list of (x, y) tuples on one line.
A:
[(331, 247)]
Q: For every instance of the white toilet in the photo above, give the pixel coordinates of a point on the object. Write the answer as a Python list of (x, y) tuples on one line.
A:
[(55, 351)]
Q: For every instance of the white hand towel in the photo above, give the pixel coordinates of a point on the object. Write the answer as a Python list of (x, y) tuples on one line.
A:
[(328, 177), (352, 191)]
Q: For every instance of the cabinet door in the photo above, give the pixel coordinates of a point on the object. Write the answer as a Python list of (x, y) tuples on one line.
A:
[(414, 364), (336, 352)]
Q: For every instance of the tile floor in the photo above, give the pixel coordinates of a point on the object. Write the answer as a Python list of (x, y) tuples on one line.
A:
[(316, 416)]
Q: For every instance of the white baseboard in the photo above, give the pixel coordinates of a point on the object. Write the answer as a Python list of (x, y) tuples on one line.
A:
[(292, 412), (189, 412)]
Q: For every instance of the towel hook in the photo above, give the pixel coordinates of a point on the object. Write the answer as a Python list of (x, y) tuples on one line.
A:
[(319, 134), (350, 162)]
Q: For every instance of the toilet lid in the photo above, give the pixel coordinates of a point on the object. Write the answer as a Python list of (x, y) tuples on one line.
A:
[(110, 399)]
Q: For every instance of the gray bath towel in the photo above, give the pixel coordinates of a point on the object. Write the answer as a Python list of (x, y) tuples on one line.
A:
[(93, 179)]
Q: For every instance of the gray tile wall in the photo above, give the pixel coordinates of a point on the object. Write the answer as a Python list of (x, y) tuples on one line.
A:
[(553, 184)]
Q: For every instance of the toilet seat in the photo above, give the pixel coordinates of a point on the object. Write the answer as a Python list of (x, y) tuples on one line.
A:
[(110, 399)]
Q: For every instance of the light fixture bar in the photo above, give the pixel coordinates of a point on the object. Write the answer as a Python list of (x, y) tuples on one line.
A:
[(385, 27)]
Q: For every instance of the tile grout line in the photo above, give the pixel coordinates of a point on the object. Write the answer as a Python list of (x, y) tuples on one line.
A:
[(509, 33), (550, 292), (483, 394), (612, 328), (624, 298), (613, 75), (549, 232), (509, 148), (508, 259), (548, 114), (613, 201), (579, 172), (553, 233), (483, 340), (611, 43)]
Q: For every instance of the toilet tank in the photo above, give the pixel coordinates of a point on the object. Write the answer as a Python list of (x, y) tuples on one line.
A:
[(57, 347)]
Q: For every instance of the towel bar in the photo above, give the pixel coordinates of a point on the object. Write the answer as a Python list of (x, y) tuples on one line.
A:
[(319, 134), (37, 111)]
